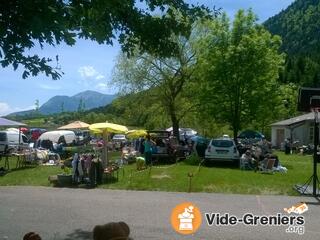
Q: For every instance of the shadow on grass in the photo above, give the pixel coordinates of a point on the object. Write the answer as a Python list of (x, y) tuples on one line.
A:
[(110, 180), (163, 161), (22, 168), (79, 234), (221, 164), (4, 172)]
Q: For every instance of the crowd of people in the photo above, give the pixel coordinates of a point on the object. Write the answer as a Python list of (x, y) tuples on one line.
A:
[(256, 156)]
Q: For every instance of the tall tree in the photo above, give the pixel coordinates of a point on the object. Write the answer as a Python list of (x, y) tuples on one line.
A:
[(159, 79), (23, 23), (239, 65), (81, 106), (37, 105)]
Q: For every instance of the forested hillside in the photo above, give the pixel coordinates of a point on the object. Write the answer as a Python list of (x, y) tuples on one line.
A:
[(299, 28)]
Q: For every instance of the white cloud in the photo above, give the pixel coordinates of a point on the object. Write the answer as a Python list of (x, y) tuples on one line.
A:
[(90, 77), (100, 76), (49, 87), (88, 72), (102, 86), (6, 109)]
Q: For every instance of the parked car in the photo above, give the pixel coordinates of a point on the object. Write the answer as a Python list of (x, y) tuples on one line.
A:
[(35, 133), (9, 141), (167, 147), (118, 141), (222, 149), (82, 136)]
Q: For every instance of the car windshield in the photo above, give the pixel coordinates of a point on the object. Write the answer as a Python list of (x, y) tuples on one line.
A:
[(222, 143)]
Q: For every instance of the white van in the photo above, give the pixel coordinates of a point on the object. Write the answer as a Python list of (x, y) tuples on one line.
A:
[(9, 141)]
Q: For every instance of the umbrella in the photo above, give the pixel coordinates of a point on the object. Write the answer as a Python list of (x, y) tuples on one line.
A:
[(136, 133), (108, 128), (24, 130), (75, 125), (105, 128)]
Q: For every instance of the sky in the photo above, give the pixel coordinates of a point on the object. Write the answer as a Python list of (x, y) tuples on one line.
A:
[(88, 65)]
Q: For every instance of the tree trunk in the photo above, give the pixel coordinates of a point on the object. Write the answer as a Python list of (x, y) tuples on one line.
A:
[(235, 127), (175, 126), (236, 119), (235, 134)]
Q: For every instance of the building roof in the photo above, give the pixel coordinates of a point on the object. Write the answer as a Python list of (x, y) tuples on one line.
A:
[(295, 120)]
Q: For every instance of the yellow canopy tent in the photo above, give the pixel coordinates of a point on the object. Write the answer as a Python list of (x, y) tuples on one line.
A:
[(136, 133), (105, 129)]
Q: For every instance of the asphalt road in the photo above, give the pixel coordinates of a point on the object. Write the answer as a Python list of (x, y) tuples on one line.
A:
[(67, 214)]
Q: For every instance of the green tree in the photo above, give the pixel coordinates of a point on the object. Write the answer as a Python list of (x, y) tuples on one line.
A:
[(25, 23), (239, 65), (160, 81), (37, 105)]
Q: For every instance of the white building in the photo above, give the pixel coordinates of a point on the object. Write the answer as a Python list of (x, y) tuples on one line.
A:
[(299, 128)]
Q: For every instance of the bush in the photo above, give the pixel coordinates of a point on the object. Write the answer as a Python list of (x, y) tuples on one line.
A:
[(193, 159)]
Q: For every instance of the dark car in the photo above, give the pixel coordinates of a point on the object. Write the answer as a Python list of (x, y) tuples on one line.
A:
[(167, 146)]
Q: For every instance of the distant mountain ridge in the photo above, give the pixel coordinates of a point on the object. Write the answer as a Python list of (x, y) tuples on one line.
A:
[(82, 101)]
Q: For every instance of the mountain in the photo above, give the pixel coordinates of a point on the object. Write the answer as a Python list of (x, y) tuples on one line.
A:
[(81, 101), (299, 28), (93, 99), (298, 25)]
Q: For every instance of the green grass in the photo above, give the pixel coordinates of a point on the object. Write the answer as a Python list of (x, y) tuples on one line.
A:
[(221, 178)]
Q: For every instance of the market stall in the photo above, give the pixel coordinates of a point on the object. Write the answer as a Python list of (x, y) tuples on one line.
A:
[(105, 129)]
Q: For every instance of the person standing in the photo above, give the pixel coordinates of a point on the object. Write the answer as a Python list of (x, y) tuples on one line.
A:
[(287, 146), (148, 150)]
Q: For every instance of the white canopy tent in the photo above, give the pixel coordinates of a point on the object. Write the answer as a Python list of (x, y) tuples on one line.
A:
[(54, 136)]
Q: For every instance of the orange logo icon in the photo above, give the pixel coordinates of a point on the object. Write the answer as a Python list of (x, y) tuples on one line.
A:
[(186, 218)]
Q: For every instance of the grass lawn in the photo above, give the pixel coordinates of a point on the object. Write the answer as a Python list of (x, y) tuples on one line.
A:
[(223, 178)]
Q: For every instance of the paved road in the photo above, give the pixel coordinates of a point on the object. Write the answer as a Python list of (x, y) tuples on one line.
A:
[(67, 214)]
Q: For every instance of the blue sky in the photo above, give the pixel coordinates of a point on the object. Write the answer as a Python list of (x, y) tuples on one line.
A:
[(88, 66)]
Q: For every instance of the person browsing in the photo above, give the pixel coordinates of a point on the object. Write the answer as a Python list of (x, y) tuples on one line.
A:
[(148, 149)]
